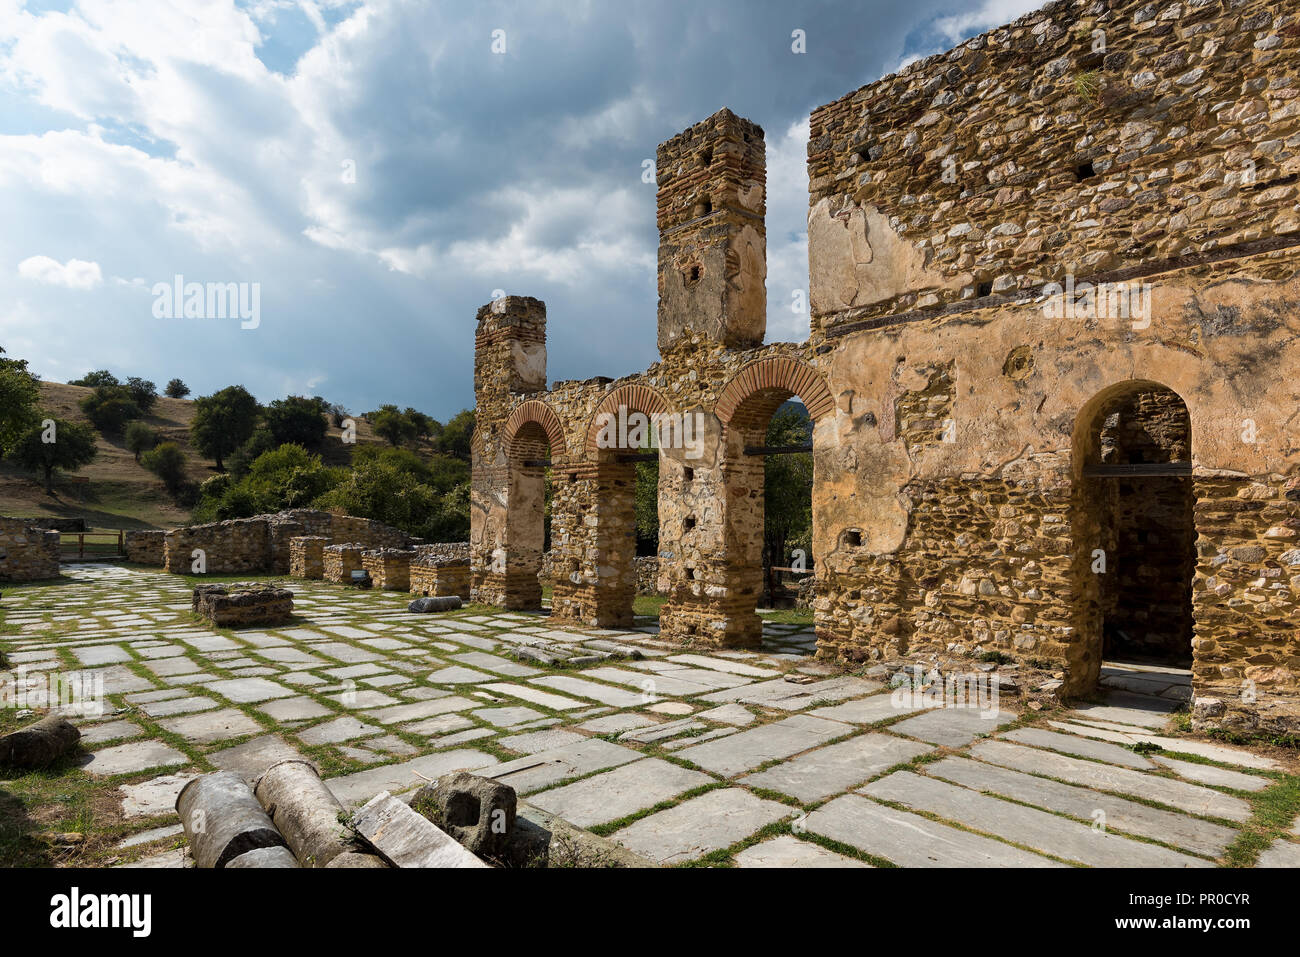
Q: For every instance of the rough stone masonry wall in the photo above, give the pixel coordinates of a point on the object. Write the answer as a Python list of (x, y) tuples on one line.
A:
[(146, 546), (389, 568), (341, 561), (307, 556), (1034, 151), (27, 554), (263, 542), (433, 578)]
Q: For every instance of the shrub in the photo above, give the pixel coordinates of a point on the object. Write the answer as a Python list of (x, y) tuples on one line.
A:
[(140, 438), (166, 461)]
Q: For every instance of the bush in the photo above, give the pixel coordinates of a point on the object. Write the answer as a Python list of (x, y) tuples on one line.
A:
[(95, 380), (110, 408), (296, 420), (143, 393), (176, 389), (140, 438), (166, 461)]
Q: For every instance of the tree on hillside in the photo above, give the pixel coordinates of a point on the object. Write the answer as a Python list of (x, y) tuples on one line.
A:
[(296, 420), (54, 444), (140, 438), (166, 461), (393, 424), (110, 408), (94, 380), (143, 393), (426, 426), (20, 390), (456, 435), (223, 421), (176, 389)]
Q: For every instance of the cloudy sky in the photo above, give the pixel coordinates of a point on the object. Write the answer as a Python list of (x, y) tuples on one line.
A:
[(381, 168)]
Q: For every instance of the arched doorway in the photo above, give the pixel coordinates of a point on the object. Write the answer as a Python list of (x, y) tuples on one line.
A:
[(792, 393), (533, 436), (1135, 527)]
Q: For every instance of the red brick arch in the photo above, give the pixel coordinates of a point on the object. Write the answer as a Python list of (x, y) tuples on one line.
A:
[(776, 373), (534, 410), (636, 397)]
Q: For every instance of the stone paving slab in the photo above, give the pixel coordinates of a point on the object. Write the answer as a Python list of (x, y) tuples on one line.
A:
[(910, 840), (1192, 834), (250, 690), (722, 664), (739, 752), (343, 728), (294, 709), (354, 790), (544, 698), (133, 758), (253, 757), (1282, 853), (700, 825), (212, 726), (109, 731), (1192, 798), (869, 710), (837, 767), (535, 742), (952, 727), (1125, 708), (786, 851), (1215, 777), (788, 696), (396, 714), (1079, 747), (536, 771), (619, 793), (1215, 752), (1040, 830), (581, 687)]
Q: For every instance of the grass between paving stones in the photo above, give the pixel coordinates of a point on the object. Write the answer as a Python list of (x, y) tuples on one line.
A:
[(609, 827), (1274, 812)]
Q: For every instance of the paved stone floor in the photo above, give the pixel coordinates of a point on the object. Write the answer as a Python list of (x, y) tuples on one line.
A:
[(758, 759)]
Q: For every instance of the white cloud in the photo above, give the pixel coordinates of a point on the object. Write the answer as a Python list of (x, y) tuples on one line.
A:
[(75, 273), (990, 14)]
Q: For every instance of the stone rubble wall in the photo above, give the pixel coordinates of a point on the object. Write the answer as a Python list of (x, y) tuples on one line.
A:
[(307, 556), (263, 543), (1081, 139), (146, 546), (342, 560), (235, 606), (440, 579), (27, 553), (389, 568)]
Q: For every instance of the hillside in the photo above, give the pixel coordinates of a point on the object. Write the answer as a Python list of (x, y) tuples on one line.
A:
[(120, 493)]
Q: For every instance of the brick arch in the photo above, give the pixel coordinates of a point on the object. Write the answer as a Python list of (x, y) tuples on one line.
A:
[(635, 396), (773, 374), (534, 410)]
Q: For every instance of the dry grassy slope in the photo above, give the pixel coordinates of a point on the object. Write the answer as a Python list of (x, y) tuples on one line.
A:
[(120, 493)]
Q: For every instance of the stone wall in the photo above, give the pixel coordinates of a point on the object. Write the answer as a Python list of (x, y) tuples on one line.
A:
[(389, 568), (237, 606), (307, 556), (969, 491), (342, 560), (438, 578), (26, 553), (146, 546), (262, 543), (1083, 138)]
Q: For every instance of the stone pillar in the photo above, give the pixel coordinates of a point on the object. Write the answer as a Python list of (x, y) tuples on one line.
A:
[(712, 239), (307, 556), (593, 542), (389, 568), (506, 496), (341, 561)]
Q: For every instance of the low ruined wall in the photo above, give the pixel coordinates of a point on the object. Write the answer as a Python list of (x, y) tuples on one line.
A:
[(233, 606), (146, 547), (26, 553), (389, 568), (263, 542), (341, 561), (647, 574), (438, 578), (307, 556)]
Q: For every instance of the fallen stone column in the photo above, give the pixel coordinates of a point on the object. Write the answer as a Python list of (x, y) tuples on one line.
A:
[(265, 857), (39, 745), (405, 839), (223, 820), (304, 810), (424, 605)]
